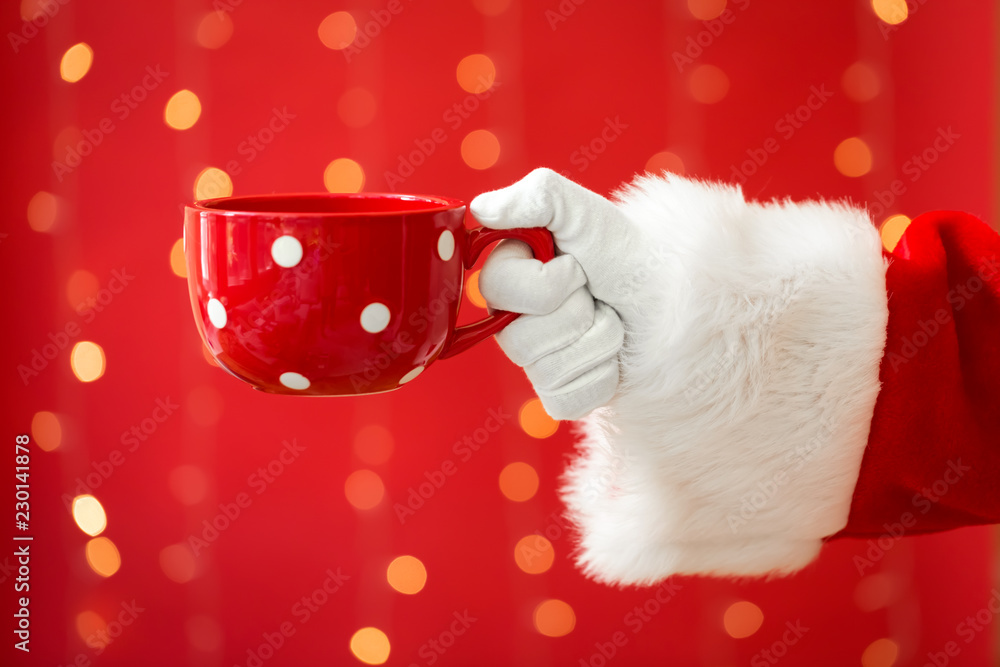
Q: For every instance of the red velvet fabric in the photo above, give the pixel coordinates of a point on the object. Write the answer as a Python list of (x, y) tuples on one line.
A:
[(933, 455)]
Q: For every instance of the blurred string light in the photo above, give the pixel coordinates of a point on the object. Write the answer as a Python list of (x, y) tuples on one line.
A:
[(183, 110), (68, 138), (89, 623), (204, 633), (877, 591), (76, 62), (406, 574), (338, 30), (42, 211), (861, 82), (31, 8), (706, 10), (852, 157), (188, 483), (370, 646), (892, 12), (665, 161), (880, 653), (364, 489), (472, 290), (212, 182), (742, 619), (535, 421), (356, 107), (518, 481), (205, 405), (534, 554), (46, 431), (103, 557), (214, 29), (476, 73), (89, 515), (373, 444), (892, 230), (491, 7), (177, 262), (81, 286), (708, 84), (178, 563), (480, 149), (554, 618), (344, 175), (87, 361)]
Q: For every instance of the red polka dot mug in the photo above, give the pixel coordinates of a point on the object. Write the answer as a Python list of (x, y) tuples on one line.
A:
[(336, 294)]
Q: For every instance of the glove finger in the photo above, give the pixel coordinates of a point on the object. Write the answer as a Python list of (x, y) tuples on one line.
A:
[(583, 223), (512, 280), (531, 337), (600, 343), (591, 390)]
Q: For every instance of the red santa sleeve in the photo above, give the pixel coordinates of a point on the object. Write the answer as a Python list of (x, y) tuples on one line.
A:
[(933, 455), (786, 382)]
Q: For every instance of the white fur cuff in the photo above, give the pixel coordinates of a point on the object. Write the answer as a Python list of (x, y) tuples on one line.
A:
[(749, 379)]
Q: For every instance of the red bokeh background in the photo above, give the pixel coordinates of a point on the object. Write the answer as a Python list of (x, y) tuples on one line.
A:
[(564, 72)]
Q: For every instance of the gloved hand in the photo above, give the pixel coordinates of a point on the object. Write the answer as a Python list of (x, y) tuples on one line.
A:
[(569, 338)]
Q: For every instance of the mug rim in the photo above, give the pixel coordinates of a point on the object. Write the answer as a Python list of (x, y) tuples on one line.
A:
[(433, 204)]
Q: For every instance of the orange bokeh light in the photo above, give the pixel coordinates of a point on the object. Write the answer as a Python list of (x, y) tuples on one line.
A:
[(535, 421), (214, 29), (708, 84), (406, 574), (518, 481), (554, 618), (534, 554), (852, 157), (742, 619), (476, 73), (480, 149), (364, 489), (46, 431)]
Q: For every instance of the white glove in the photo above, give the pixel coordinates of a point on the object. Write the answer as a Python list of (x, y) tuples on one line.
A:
[(569, 339)]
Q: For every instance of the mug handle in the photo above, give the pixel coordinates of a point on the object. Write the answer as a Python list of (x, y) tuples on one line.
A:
[(477, 240)]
